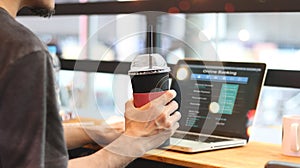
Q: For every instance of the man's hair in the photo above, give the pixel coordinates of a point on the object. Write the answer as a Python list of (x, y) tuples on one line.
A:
[(43, 12)]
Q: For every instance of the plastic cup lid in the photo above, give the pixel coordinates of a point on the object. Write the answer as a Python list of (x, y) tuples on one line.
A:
[(148, 64)]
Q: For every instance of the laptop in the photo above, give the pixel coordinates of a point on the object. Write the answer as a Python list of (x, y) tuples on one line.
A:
[(217, 101)]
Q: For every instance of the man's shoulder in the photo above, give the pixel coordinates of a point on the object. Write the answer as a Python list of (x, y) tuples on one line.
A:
[(16, 38)]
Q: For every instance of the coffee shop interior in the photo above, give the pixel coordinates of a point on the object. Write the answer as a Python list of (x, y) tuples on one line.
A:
[(97, 39)]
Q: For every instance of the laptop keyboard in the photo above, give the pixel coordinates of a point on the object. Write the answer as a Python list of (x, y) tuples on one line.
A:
[(198, 138)]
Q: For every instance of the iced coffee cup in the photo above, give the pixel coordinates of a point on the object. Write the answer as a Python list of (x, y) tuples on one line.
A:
[(149, 78)]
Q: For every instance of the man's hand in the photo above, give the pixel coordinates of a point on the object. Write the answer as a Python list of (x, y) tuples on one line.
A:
[(152, 118), (147, 127)]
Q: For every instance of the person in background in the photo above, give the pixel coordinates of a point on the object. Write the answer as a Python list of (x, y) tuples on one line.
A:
[(31, 132)]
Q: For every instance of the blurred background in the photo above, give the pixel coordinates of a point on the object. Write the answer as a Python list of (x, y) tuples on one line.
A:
[(269, 37)]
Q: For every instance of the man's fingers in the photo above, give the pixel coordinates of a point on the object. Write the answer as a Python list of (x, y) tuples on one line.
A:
[(165, 98), (175, 127), (153, 109), (166, 110), (175, 118), (171, 107), (169, 122)]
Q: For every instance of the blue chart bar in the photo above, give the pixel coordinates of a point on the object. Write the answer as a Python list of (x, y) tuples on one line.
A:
[(220, 78)]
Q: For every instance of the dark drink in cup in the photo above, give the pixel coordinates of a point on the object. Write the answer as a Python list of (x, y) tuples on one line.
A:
[(148, 87), (149, 78)]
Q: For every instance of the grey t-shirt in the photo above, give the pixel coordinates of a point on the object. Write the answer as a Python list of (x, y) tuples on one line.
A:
[(31, 133)]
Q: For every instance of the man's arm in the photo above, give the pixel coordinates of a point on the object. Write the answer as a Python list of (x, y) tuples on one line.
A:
[(103, 158), (146, 128), (103, 134), (76, 137)]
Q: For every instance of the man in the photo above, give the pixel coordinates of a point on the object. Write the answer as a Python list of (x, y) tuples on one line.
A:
[(31, 133)]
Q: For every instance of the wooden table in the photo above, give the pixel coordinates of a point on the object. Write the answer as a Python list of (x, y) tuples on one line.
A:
[(253, 155)]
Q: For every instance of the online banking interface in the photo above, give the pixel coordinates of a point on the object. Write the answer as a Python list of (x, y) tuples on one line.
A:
[(213, 96)]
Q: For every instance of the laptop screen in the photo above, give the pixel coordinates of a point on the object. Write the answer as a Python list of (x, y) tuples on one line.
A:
[(217, 97)]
